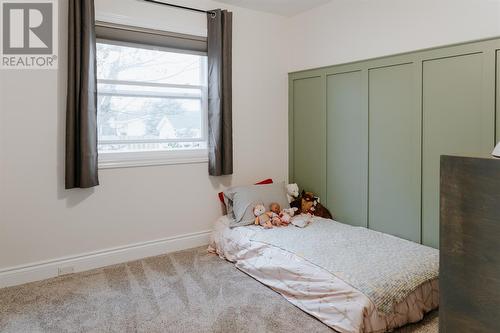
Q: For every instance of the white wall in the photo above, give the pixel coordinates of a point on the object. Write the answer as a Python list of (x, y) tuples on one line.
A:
[(349, 30), (39, 220)]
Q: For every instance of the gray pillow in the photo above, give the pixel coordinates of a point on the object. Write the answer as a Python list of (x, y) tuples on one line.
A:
[(241, 200)]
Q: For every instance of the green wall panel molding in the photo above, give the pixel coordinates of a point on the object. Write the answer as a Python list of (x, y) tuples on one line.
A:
[(394, 165), (309, 139), (455, 121), (347, 147), (367, 135), (498, 95)]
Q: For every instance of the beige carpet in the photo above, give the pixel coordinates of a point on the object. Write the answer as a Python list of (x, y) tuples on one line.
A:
[(189, 291)]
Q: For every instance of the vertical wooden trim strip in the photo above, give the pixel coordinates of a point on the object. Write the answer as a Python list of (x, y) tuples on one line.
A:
[(419, 84), (290, 130), (366, 79), (497, 96), (421, 69), (324, 195), (489, 97)]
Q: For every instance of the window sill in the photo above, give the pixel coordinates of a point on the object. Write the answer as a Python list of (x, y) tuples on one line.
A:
[(151, 158)]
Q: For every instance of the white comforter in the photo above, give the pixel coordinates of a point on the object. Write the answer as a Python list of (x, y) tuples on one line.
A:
[(313, 289)]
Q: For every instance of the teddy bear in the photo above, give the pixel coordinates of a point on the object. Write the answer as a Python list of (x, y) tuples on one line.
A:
[(292, 192), (287, 214), (262, 217)]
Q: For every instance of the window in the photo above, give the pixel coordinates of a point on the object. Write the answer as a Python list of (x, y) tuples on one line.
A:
[(152, 104)]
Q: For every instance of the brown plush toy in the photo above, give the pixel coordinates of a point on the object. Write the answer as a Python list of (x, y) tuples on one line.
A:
[(307, 203)]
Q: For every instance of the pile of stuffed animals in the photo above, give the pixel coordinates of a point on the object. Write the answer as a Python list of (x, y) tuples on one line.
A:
[(306, 204), (275, 217)]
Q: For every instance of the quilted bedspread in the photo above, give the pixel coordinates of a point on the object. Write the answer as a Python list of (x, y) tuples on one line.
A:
[(385, 268)]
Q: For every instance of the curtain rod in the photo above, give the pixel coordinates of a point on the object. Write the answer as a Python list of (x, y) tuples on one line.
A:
[(182, 7)]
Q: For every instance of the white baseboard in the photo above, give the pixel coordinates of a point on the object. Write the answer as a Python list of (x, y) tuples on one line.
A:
[(13, 276)]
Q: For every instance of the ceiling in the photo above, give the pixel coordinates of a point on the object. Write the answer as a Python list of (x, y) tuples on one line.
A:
[(280, 7)]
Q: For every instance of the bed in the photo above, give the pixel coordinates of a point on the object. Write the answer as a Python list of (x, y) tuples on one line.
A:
[(352, 279)]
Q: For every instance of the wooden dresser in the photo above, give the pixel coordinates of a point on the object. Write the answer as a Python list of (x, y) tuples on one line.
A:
[(469, 245)]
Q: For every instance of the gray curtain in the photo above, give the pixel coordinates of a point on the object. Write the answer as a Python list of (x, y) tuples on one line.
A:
[(220, 122), (81, 110)]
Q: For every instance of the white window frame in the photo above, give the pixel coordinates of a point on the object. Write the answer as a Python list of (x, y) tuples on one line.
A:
[(110, 160)]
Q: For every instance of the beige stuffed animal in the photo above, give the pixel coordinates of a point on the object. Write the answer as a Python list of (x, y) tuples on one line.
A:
[(262, 217)]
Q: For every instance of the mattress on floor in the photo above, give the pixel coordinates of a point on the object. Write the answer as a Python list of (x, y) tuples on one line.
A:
[(385, 268), (314, 289)]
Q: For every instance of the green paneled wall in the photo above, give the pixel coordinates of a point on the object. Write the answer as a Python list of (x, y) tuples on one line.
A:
[(367, 136), (394, 165), (347, 147), (455, 120), (308, 134)]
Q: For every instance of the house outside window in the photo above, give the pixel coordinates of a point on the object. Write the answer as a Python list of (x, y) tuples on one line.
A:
[(152, 97)]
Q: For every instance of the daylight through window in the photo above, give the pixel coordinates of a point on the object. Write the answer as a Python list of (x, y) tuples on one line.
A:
[(150, 99)]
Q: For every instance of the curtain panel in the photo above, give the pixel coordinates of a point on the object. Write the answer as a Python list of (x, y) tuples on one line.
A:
[(81, 110), (220, 122)]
